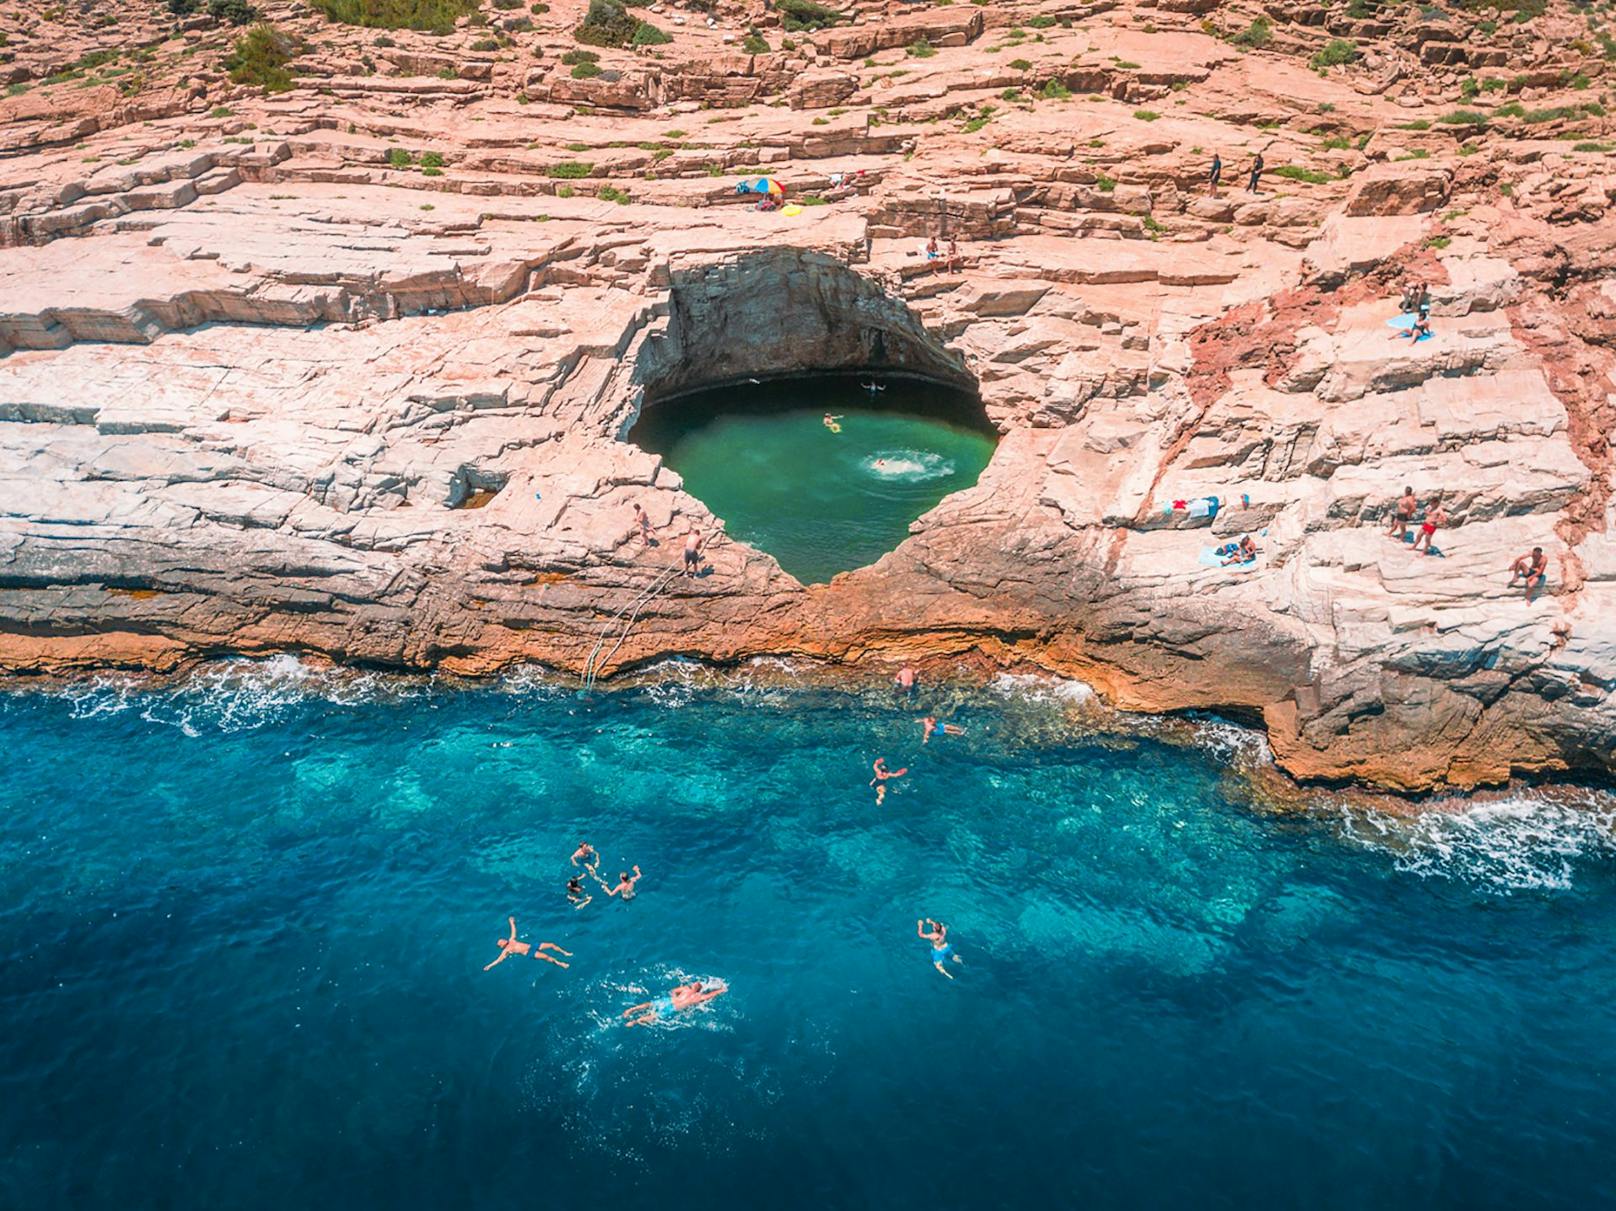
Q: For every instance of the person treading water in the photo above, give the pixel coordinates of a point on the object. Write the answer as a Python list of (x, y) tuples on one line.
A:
[(930, 727), (874, 389), (509, 946), (882, 773), (625, 885), (833, 423), (682, 997), (941, 951), (576, 892)]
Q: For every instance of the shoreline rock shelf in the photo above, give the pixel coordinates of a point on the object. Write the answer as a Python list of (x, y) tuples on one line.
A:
[(347, 370)]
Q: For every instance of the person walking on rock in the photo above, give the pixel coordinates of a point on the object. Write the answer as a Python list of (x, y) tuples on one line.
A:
[(1403, 515), (692, 553), (1435, 517), (1216, 175), (1256, 174)]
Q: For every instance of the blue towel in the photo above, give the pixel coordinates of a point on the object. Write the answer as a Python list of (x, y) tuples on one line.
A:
[(1403, 322)]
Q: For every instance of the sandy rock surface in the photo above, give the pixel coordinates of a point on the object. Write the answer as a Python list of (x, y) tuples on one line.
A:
[(346, 369)]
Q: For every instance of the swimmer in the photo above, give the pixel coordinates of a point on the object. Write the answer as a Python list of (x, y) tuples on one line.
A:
[(930, 726), (833, 423), (882, 773), (509, 946), (905, 680), (940, 949), (874, 389), (576, 893), (681, 998), (625, 885), (590, 859)]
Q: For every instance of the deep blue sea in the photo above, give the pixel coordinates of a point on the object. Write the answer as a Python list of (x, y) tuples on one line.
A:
[(243, 923)]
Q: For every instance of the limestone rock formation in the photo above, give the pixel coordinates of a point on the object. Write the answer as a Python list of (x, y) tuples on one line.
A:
[(345, 365)]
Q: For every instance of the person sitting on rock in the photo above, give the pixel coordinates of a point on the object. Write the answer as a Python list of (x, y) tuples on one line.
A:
[(1245, 552), (1530, 568), (933, 250)]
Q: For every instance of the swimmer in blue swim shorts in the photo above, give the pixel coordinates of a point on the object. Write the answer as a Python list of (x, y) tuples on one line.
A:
[(682, 997), (930, 727), (941, 951)]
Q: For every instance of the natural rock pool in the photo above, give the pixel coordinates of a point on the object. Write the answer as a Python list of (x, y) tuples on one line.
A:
[(821, 499), (243, 924)]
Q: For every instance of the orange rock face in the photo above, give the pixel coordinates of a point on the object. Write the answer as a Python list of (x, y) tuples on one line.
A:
[(344, 366)]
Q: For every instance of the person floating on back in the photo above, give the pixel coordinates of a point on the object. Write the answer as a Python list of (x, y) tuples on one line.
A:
[(882, 773), (941, 951), (625, 884), (509, 946), (1403, 515), (1530, 568), (1435, 516), (681, 998), (930, 727)]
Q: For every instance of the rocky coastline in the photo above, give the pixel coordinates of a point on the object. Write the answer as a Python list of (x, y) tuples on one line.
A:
[(348, 370)]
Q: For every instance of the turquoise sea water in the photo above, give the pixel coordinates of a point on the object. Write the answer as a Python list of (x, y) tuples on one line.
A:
[(821, 501), (243, 924)]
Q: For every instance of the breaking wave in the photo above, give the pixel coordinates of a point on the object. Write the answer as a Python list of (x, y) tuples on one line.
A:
[(1524, 842)]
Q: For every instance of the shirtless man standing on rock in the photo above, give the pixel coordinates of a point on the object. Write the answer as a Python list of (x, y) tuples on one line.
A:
[(1403, 515)]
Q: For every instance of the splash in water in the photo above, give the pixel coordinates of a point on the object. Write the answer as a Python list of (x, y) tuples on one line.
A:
[(910, 466)]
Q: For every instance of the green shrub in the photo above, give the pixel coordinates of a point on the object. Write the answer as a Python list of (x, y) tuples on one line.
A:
[(1513, 110), (1104, 184), (755, 44), (261, 57), (506, 6), (586, 71), (397, 157), (1604, 147), (483, 45), (1256, 35), (1337, 51), (608, 194), (1463, 117), (431, 159), (607, 23), (1020, 65), (1146, 115), (1056, 91), (921, 49), (433, 16), (1338, 143), (236, 12), (796, 15), (570, 170), (431, 172), (1294, 172), (574, 57), (1439, 242), (646, 34), (1042, 21), (1416, 124)]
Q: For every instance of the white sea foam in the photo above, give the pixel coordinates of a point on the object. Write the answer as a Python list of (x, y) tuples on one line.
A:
[(232, 695), (1230, 742), (1524, 842), (1038, 687), (911, 466)]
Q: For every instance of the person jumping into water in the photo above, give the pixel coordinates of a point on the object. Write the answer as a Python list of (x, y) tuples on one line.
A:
[(625, 885), (882, 773), (510, 946), (681, 998), (941, 951), (929, 725)]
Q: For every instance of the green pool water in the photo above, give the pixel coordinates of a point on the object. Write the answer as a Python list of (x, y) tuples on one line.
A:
[(761, 457)]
